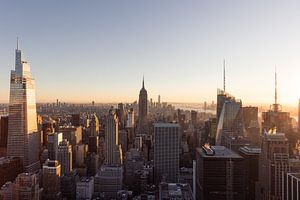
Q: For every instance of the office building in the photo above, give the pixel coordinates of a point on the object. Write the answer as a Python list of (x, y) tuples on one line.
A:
[(112, 148), (10, 168), (7, 191), (175, 191), (220, 174), (92, 164), (94, 126), (26, 186), (166, 151), (134, 161), (109, 180), (53, 142), (81, 151), (291, 187), (64, 156), (51, 180), (75, 120), (194, 118), (121, 115), (85, 188), (23, 139), (273, 164), (251, 157), (72, 134), (3, 131), (68, 185), (123, 140), (230, 122), (275, 118), (130, 119)]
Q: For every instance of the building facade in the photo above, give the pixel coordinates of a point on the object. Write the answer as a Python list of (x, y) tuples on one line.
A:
[(220, 174), (273, 164), (23, 139), (166, 151), (112, 148), (64, 156)]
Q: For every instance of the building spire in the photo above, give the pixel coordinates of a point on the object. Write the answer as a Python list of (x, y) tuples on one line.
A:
[(224, 80), (17, 43), (143, 86), (275, 86), (276, 105)]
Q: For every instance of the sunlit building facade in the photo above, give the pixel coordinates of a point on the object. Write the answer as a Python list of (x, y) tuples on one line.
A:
[(230, 121), (23, 139), (112, 148), (273, 164)]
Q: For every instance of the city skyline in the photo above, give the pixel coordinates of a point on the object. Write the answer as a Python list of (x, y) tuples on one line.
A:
[(175, 56)]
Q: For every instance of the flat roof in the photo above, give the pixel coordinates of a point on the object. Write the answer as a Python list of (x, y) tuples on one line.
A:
[(219, 152), (297, 175), (160, 124), (250, 150)]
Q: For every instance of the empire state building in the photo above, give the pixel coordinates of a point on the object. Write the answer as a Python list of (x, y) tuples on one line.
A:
[(23, 138), (143, 108)]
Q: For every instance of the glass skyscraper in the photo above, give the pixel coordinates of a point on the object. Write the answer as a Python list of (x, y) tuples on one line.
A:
[(22, 125)]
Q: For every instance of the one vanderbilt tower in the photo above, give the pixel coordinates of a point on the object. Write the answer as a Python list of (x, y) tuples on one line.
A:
[(22, 124)]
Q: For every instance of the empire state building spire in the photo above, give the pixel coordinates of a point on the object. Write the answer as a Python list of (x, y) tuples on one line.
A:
[(143, 85)]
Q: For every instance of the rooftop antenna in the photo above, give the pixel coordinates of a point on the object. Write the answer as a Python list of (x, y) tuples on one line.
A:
[(275, 85), (276, 106), (143, 81), (224, 80), (17, 43)]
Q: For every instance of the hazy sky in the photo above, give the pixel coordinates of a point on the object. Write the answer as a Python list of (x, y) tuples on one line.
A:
[(99, 50)]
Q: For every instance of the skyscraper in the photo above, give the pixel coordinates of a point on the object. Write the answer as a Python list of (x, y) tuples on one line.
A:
[(219, 174), (273, 164), (53, 141), (26, 186), (275, 118), (299, 116), (194, 118), (166, 151), (51, 180), (94, 125), (64, 156), (23, 139), (3, 135), (143, 108), (112, 149), (251, 156), (230, 122)]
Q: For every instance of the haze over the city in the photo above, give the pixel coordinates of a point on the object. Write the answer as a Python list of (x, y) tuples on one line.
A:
[(99, 50)]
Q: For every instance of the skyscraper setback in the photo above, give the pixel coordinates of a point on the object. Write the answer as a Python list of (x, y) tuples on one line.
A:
[(22, 126)]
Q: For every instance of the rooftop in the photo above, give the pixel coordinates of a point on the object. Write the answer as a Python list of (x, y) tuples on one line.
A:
[(275, 136), (250, 150), (175, 191), (217, 151), (296, 175), (160, 124)]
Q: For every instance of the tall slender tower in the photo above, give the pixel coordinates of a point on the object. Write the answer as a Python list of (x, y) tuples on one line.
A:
[(275, 105), (143, 108), (224, 80), (22, 125)]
